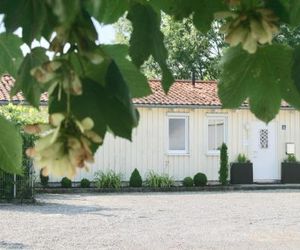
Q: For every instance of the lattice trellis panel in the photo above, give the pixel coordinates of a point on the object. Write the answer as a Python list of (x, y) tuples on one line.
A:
[(264, 138)]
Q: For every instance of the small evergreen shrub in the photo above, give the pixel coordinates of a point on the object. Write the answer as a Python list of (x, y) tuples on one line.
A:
[(66, 182), (135, 179), (188, 182), (200, 179), (155, 180), (44, 179), (109, 179), (223, 172), (242, 158), (85, 183)]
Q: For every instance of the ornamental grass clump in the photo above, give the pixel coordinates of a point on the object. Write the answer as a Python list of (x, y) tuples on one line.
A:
[(135, 179), (200, 179), (242, 158), (291, 158), (109, 179), (188, 182), (155, 180)]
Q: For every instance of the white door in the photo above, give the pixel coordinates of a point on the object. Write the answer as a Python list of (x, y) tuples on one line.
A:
[(263, 151)]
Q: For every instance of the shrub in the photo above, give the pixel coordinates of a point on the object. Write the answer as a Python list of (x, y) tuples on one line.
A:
[(188, 182), (109, 179), (85, 183), (135, 179), (44, 179), (200, 179), (223, 172), (242, 158), (166, 181), (66, 182), (155, 180), (291, 158)]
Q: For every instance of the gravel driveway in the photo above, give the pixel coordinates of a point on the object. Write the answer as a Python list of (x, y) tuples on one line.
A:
[(230, 220)]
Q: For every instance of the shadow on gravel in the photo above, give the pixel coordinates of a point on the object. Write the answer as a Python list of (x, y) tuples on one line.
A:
[(63, 209), (12, 245)]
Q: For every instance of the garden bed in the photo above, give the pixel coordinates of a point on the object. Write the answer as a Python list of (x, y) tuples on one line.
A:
[(18, 201), (130, 189), (212, 188)]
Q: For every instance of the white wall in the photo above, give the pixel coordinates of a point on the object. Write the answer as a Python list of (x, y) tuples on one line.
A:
[(148, 149)]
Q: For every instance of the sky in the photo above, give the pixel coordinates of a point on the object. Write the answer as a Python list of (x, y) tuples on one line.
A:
[(106, 34)]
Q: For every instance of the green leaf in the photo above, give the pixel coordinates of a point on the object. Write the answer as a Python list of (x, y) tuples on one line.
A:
[(147, 39), (10, 54), (66, 10), (86, 69), (25, 81), (30, 15), (204, 13), (86, 105), (106, 11), (280, 8), (296, 67), (179, 9), (294, 89), (135, 80), (294, 12), (263, 77), (10, 148), (125, 116), (110, 106)]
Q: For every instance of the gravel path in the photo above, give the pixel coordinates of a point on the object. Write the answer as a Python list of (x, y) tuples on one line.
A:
[(231, 220)]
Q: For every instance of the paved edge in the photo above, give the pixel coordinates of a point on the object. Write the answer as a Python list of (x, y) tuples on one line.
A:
[(57, 190)]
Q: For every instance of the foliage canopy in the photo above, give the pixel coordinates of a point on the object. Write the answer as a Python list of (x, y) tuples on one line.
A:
[(92, 84)]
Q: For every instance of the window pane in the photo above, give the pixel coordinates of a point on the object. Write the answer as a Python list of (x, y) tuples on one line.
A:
[(177, 134), (215, 133), (220, 133), (211, 134)]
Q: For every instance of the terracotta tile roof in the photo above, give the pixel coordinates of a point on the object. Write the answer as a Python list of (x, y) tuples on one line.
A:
[(5, 86), (182, 92)]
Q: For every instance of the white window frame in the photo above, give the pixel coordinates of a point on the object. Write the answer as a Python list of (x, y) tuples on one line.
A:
[(186, 123), (214, 117)]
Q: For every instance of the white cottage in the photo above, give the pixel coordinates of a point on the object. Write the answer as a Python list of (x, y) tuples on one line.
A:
[(180, 133)]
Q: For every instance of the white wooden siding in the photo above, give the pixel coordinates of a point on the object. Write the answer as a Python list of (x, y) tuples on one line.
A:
[(148, 149)]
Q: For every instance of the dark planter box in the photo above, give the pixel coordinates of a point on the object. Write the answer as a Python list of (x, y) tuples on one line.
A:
[(290, 172), (241, 173)]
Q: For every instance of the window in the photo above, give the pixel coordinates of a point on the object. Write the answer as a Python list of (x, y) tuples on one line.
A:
[(177, 134), (216, 133), (263, 138)]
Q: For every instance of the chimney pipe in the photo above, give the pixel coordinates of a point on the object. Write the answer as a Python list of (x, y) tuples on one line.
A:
[(193, 78)]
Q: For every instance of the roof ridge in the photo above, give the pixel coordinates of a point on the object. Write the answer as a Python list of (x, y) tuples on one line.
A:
[(187, 80)]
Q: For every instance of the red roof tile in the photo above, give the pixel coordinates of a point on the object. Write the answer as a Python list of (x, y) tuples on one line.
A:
[(182, 92), (6, 84)]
